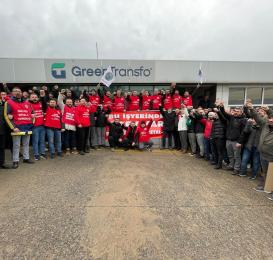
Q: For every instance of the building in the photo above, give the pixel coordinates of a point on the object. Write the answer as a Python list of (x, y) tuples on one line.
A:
[(233, 82)]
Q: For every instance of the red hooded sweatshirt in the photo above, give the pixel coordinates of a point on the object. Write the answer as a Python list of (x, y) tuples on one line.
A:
[(82, 116), (208, 127), (143, 132)]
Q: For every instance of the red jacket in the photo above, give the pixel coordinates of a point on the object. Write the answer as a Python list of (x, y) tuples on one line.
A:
[(21, 112), (94, 102), (82, 116), (107, 103), (38, 113), (119, 104), (146, 102), (177, 99), (133, 103), (208, 127), (168, 103), (156, 101), (69, 115), (143, 133), (187, 101), (53, 118)]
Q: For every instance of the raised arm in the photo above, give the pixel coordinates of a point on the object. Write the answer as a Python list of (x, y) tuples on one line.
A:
[(60, 102)]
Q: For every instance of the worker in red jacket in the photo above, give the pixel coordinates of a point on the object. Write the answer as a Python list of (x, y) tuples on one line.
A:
[(208, 123), (68, 119), (82, 118), (146, 100), (133, 101), (54, 128), (106, 99), (94, 100), (142, 135), (38, 131), (187, 99), (119, 102), (177, 100), (156, 100), (167, 100), (19, 117)]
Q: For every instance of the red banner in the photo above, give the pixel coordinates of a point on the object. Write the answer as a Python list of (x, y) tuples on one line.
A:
[(138, 116)]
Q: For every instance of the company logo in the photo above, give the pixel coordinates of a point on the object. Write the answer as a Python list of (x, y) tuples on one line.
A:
[(58, 71), (109, 76), (116, 72)]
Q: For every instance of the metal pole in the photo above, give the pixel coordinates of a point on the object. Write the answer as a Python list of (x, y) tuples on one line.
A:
[(97, 49)]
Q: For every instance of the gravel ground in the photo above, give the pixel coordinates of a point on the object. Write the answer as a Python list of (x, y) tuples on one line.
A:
[(131, 205)]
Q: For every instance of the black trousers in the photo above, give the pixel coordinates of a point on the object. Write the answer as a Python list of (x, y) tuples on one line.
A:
[(177, 143), (2, 149), (170, 136), (114, 142), (219, 145), (83, 135)]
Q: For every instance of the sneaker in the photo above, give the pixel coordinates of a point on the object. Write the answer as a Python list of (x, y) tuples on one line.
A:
[(15, 165), (235, 172), (36, 157), (252, 178), (82, 153), (67, 152), (28, 161), (52, 156), (242, 175), (268, 192), (74, 151), (259, 189), (43, 156), (270, 198), (218, 167), (60, 154)]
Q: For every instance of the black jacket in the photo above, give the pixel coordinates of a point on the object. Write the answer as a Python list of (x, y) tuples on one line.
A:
[(100, 116), (3, 126), (168, 120), (218, 130), (235, 125), (250, 136), (115, 130)]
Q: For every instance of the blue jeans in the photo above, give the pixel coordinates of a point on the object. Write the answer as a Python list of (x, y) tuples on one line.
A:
[(247, 155), (38, 140), (54, 139)]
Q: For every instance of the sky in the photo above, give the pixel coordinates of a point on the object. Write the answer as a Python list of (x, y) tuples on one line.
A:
[(240, 30)]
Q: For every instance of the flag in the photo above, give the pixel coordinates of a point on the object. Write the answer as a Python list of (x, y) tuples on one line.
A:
[(200, 74), (108, 77)]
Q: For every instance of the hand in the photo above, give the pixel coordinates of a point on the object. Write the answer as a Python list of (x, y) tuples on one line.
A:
[(249, 105), (238, 145), (62, 130), (10, 116), (120, 140), (16, 130), (215, 109), (133, 143), (80, 126)]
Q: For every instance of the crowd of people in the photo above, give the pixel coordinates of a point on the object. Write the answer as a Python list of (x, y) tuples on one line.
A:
[(232, 139)]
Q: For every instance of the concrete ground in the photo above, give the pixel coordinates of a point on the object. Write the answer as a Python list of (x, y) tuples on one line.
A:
[(131, 205)]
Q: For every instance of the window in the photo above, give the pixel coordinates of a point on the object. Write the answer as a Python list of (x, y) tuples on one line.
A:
[(255, 94), (236, 96), (268, 96), (140, 88)]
